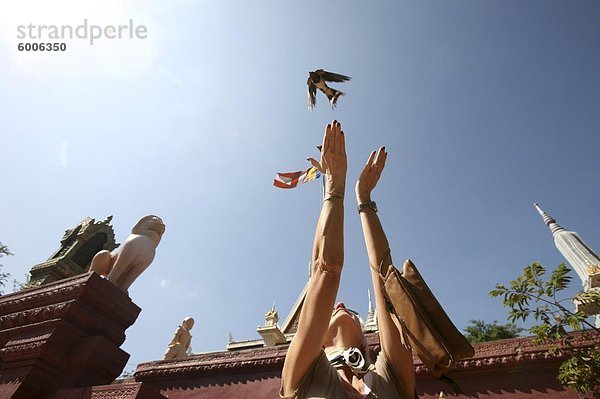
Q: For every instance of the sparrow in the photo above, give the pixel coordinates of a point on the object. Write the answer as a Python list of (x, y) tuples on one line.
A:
[(316, 80)]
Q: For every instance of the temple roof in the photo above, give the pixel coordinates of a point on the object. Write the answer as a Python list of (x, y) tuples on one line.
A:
[(515, 352), (291, 322)]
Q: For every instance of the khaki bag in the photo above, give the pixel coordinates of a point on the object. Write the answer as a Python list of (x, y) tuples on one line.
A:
[(420, 317)]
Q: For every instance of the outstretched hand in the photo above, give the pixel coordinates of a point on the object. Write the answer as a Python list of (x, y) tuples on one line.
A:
[(333, 158), (370, 175)]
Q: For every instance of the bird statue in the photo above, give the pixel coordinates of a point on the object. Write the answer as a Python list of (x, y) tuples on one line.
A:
[(316, 80)]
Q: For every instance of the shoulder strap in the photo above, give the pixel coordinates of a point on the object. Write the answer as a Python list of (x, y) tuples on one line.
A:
[(451, 383), (387, 256)]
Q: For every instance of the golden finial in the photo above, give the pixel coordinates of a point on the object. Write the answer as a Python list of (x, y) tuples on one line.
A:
[(592, 268)]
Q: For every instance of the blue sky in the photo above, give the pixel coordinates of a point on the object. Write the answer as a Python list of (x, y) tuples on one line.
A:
[(484, 108)]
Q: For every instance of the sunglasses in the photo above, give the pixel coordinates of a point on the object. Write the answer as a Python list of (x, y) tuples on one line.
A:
[(351, 311), (354, 312)]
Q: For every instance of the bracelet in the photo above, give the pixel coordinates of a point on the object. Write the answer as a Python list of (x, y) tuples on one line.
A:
[(333, 196)]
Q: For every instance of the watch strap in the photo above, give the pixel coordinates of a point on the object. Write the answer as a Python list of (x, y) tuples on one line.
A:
[(367, 205)]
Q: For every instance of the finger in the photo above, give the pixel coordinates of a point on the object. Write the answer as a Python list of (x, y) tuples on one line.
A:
[(371, 157), (342, 143), (385, 155), (339, 142), (380, 159), (326, 139), (334, 135), (314, 163)]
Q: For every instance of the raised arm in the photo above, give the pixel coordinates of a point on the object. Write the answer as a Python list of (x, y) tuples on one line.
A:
[(377, 248), (327, 261)]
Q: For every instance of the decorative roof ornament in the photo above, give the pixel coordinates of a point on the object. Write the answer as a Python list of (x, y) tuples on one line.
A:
[(272, 317), (270, 332), (77, 248), (181, 344), (592, 268)]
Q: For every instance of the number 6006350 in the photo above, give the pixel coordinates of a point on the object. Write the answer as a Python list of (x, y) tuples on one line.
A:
[(42, 46)]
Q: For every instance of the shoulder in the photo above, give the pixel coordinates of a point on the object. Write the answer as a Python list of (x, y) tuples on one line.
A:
[(386, 380), (320, 378)]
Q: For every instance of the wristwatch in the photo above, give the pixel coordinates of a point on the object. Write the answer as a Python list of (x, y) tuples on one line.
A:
[(367, 205)]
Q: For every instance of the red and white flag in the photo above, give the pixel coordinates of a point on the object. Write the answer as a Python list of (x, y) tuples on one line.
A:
[(287, 180), (290, 180)]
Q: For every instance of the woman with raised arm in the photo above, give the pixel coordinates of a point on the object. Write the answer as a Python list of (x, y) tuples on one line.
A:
[(391, 340), (328, 357)]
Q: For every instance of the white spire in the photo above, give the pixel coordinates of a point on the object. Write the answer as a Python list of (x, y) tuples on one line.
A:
[(579, 255), (548, 220), (371, 323)]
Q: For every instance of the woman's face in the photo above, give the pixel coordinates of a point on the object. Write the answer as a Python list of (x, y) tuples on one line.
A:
[(344, 329)]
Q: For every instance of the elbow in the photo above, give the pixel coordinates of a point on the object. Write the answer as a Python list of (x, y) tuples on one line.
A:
[(331, 265), (328, 255)]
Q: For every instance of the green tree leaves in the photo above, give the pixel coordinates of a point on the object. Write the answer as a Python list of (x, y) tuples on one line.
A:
[(3, 276), (531, 297), (480, 331)]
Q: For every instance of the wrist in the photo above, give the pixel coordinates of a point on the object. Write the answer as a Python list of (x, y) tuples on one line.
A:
[(335, 187), (363, 198), (330, 196)]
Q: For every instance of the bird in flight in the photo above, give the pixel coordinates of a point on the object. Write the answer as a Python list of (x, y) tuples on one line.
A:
[(316, 80)]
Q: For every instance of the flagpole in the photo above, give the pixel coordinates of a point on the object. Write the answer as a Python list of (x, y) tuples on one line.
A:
[(323, 179), (322, 199), (322, 174)]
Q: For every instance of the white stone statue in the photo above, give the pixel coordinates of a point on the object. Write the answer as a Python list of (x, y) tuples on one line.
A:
[(123, 265), (180, 344), (272, 317)]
